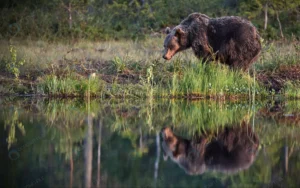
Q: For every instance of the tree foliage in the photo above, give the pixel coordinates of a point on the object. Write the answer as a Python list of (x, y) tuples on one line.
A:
[(117, 19)]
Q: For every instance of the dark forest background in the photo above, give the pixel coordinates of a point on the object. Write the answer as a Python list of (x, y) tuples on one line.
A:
[(118, 19)]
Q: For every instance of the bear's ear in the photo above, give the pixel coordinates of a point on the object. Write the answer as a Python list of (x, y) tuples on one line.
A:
[(179, 31), (167, 30)]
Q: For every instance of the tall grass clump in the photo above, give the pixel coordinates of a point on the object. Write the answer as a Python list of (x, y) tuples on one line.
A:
[(53, 85), (212, 80), (292, 90), (276, 55)]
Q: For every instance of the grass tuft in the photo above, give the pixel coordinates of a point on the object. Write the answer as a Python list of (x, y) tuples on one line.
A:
[(198, 80), (70, 86)]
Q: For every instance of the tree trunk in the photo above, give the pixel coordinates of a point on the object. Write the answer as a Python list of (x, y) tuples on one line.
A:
[(141, 140), (69, 9), (266, 16), (70, 15), (280, 27)]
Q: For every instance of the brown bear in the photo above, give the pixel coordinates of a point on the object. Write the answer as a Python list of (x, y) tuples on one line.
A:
[(231, 40), (230, 150)]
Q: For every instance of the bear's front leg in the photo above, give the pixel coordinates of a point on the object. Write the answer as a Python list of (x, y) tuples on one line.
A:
[(203, 52)]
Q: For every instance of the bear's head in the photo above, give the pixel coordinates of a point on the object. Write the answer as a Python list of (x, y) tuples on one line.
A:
[(173, 42), (183, 152)]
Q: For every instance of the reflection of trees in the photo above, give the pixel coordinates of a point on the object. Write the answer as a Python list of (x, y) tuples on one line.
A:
[(206, 115), (280, 138), (156, 164), (99, 154), (88, 153), (126, 140), (11, 123)]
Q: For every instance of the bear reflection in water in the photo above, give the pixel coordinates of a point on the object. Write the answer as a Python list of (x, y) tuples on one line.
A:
[(229, 150)]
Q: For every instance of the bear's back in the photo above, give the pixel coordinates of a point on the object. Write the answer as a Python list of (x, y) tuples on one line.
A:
[(230, 27)]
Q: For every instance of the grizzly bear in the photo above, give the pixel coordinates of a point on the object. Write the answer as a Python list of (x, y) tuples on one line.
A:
[(230, 40), (230, 150)]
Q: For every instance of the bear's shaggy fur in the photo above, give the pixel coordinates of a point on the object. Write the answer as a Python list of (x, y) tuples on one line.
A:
[(230, 40), (229, 150)]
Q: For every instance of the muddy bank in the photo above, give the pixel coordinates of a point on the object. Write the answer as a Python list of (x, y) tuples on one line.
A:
[(277, 79), (107, 71)]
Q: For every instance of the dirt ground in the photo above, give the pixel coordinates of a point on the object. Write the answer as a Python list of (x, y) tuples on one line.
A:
[(277, 79)]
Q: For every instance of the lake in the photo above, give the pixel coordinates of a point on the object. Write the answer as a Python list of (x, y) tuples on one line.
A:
[(149, 143)]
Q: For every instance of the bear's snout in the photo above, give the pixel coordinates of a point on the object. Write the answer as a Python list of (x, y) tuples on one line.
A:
[(167, 133), (165, 57)]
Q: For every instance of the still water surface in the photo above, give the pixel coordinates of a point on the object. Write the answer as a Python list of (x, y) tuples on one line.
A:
[(115, 143)]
